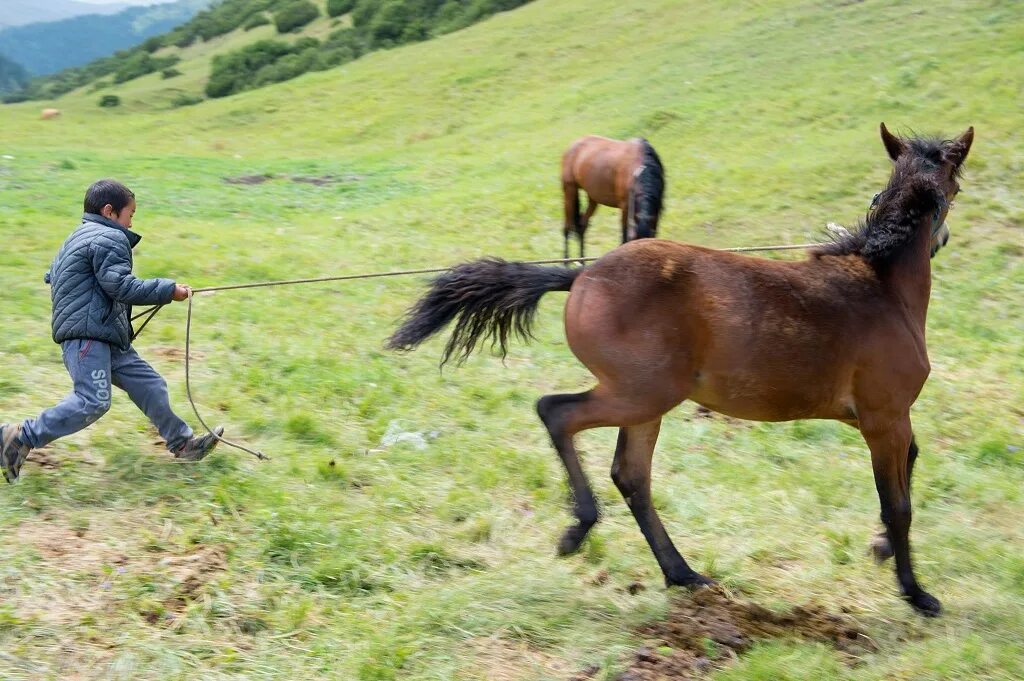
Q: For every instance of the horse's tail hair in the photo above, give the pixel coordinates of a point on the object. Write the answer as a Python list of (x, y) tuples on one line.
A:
[(487, 298), (650, 184)]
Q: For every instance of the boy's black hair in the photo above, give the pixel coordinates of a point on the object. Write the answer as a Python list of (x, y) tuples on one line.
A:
[(107, 191)]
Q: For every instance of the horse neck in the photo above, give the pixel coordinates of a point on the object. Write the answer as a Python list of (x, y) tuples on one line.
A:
[(910, 276)]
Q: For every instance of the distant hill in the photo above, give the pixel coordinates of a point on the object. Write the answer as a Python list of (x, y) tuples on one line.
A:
[(13, 76), (45, 48), (22, 12), (238, 45)]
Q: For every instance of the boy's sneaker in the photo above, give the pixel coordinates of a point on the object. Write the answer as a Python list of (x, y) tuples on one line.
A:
[(12, 451), (198, 447)]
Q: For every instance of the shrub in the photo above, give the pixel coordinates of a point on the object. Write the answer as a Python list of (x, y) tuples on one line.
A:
[(170, 73), (336, 8), (295, 15), (256, 20), (140, 64), (185, 99), (235, 71), (110, 101)]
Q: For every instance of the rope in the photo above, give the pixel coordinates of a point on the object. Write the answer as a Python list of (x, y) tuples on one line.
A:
[(351, 277), (188, 389)]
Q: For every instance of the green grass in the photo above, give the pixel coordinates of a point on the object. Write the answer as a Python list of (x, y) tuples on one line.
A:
[(343, 559)]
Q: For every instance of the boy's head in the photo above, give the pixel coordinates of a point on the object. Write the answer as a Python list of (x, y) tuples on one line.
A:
[(112, 200)]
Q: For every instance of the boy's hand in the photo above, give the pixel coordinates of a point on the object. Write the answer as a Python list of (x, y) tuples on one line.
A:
[(181, 292)]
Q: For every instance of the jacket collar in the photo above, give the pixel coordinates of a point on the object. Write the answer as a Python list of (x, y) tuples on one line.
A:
[(133, 238)]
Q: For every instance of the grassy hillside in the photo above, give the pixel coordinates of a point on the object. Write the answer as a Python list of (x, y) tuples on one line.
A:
[(349, 558)]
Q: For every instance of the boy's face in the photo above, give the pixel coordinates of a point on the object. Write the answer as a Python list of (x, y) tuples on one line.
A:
[(124, 218)]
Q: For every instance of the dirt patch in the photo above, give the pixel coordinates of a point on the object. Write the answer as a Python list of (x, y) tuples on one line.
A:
[(497, 659), (191, 573), (326, 179), (248, 179), (707, 628)]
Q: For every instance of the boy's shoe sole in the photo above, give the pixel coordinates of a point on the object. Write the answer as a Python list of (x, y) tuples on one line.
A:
[(197, 448), (12, 452)]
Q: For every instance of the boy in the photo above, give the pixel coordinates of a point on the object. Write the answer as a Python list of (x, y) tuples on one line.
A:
[(93, 289)]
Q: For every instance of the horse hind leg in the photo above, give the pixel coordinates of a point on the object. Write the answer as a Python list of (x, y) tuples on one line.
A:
[(584, 222), (631, 473), (566, 415), (555, 411), (571, 206)]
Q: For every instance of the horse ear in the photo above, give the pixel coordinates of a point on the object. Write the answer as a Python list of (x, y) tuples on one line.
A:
[(893, 144), (957, 151)]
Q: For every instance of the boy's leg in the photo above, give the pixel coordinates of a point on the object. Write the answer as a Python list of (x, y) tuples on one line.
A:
[(148, 390), (88, 363)]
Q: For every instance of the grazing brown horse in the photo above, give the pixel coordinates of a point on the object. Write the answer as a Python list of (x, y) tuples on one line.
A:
[(625, 175), (840, 335)]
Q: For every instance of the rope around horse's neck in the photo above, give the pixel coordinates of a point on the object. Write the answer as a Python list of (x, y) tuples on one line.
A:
[(151, 312)]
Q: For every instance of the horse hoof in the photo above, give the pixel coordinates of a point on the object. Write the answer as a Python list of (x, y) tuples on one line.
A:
[(691, 581), (571, 541), (925, 604), (881, 549)]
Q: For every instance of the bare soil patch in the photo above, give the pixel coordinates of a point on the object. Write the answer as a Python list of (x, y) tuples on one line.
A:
[(707, 628)]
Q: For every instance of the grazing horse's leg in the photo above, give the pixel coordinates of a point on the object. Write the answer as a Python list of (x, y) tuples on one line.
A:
[(881, 547), (581, 229), (889, 441), (571, 198), (631, 472)]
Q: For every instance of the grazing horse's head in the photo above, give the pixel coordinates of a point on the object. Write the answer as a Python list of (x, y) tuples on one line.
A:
[(939, 160)]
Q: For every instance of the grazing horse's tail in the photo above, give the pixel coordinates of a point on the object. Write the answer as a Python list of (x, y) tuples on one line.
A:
[(648, 191), (491, 298)]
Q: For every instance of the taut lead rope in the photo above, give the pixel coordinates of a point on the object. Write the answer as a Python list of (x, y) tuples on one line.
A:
[(151, 312)]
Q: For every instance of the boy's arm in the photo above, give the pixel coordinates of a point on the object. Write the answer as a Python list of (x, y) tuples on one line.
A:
[(114, 272)]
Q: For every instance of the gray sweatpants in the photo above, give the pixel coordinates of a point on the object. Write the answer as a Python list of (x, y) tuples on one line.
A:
[(94, 368)]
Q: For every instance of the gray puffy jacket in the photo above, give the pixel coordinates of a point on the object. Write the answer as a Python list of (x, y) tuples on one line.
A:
[(92, 285)]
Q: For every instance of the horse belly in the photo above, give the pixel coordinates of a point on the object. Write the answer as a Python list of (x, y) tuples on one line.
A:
[(753, 396)]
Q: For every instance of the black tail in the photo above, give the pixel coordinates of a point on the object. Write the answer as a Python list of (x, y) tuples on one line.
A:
[(490, 297), (649, 190)]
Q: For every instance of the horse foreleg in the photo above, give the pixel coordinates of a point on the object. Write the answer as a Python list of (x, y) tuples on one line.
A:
[(890, 442), (881, 547), (631, 473)]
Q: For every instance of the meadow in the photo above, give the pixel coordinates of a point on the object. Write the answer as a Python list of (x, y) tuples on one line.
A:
[(345, 557)]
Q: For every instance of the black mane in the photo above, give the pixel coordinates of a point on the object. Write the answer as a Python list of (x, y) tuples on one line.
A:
[(912, 194), (649, 188)]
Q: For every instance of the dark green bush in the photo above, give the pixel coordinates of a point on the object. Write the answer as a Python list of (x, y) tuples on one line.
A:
[(236, 71), (295, 15), (336, 8), (109, 101), (170, 73), (140, 64), (256, 20)]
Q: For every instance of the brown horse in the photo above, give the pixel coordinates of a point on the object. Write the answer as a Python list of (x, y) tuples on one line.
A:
[(840, 335), (625, 175)]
